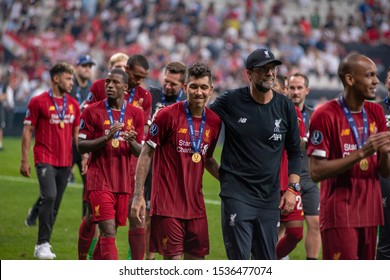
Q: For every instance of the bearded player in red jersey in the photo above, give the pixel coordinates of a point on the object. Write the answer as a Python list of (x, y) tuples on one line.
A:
[(182, 139), (112, 131), (54, 116), (349, 147)]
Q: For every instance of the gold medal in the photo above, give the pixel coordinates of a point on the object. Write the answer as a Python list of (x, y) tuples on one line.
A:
[(196, 157), (115, 143), (62, 124), (363, 164)]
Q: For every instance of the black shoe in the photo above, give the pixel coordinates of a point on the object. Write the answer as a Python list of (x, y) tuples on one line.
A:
[(31, 219)]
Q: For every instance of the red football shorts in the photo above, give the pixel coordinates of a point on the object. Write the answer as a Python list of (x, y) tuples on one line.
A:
[(173, 237), (109, 206)]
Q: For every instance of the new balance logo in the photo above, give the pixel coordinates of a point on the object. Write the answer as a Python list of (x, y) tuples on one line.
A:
[(242, 120)]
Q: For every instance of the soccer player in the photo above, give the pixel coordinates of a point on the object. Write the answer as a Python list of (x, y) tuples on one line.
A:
[(349, 147), (112, 131), (54, 116), (383, 249), (182, 139), (171, 92), (298, 88), (259, 123)]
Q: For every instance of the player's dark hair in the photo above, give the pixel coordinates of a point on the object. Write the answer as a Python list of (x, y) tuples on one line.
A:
[(347, 65), (120, 72), (199, 70), (177, 67), (138, 59), (281, 79), (59, 68)]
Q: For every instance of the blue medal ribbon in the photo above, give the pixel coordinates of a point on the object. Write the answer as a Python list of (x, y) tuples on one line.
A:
[(387, 102), (347, 112), (111, 117), (195, 143), (61, 115), (131, 95), (304, 115), (164, 100)]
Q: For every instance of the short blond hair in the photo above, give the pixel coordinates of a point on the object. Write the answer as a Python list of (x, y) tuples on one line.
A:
[(117, 57)]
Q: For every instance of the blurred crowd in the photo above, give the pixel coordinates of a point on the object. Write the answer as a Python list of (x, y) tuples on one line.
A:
[(38, 33)]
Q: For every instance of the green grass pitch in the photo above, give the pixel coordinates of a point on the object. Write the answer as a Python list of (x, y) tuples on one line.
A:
[(17, 195)]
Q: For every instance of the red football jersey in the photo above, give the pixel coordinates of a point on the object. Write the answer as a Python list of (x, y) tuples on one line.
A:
[(53, 144), (110, 168), (177, 180), (351, 199), (98, 93), (283, 171)]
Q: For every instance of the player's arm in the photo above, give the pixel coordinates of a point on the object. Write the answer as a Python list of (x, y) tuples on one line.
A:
[(322, 168), (25, 168), (212, 167), (138, 206), (87, 146)]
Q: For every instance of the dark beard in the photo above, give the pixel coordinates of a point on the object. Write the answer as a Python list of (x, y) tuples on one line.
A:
[(261, 88)]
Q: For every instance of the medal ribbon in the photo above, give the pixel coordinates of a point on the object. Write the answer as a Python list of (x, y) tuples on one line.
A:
[(387, 103), (195, 144), (131, 95), (111, 117), (359, 141), (164, 100), (304, 115), (61, 115)]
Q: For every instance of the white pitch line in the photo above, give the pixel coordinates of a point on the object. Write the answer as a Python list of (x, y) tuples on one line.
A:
[(74, 185)]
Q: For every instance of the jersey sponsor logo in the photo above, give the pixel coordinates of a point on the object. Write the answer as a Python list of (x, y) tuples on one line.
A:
[(276, 137), (316, 138), (345, 132), (232, 219), (242, 120), (82, 124), (277, 125), (153, 130), (182, 130), (90, 96)]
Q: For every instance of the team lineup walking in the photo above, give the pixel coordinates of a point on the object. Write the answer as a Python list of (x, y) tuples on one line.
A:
[(143, 150)]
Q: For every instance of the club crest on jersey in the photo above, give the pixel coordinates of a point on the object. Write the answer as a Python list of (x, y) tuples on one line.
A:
[(82, 124), (316, 138), (153, 129), (90, 96)]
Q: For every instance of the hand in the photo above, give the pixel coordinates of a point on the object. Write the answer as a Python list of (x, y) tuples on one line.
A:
[(138, 207), (130, 135), (377, 141), (287, 202), (113, 129), (84, 164), (25, 169)]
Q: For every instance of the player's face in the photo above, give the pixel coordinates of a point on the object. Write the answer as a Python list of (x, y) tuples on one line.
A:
[(263, 78), (364, 79), (115, 86), (120, 64), (136, 75), (84, 71), (65, 82), (198, 91), (297, 90), (172, 84)]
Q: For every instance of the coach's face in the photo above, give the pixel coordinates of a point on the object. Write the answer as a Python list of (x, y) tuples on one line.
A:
[(115, 86)]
